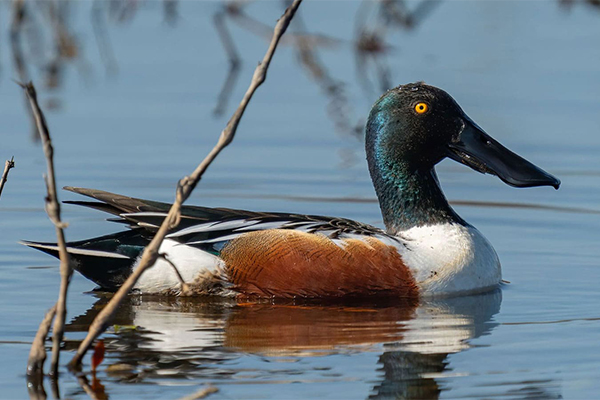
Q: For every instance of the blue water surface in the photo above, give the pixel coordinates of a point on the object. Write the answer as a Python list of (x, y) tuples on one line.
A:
[(133, 112)]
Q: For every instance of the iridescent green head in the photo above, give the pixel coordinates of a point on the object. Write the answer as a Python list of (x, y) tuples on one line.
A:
[(413, 127)]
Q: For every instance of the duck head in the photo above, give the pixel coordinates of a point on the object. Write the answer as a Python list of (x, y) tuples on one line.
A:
[(413, 127)]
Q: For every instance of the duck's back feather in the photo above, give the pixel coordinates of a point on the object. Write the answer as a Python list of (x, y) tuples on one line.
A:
[(202, 227)]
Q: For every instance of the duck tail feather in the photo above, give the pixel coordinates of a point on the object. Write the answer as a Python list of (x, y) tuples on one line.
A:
[(103, 265)]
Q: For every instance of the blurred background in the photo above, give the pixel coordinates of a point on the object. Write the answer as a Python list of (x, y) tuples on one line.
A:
[(136, 93)]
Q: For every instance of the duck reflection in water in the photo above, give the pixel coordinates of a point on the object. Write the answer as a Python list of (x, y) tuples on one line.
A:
[(195, 339)]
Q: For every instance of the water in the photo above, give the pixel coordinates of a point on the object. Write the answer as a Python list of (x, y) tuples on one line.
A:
[(527, 72)]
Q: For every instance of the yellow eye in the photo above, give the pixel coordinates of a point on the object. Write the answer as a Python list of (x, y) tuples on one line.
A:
[(421, 108)]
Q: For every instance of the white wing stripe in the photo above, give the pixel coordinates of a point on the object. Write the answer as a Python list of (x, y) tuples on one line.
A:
[(144, 214), (83, 252), (213, 226), (262, 226), (214, 240)]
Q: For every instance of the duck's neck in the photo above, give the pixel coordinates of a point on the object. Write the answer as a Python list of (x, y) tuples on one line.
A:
[(410, 198), (409, 195)]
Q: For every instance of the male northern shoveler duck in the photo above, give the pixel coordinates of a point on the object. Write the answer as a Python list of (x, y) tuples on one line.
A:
[(426, 249)]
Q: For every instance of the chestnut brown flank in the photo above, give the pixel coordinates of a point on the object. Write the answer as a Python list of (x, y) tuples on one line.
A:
[(287, 263)]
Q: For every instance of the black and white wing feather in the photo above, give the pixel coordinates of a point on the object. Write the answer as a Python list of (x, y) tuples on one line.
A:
[(209, 228)]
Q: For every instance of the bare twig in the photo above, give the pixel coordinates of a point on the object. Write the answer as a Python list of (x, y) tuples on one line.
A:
[(65, 46), (234, 62), (370, 38), (7, 166), (19, 16), (171, 16), (107, 54), (236, 12), (53, 211), (397, 13), (338, 108), (37, 354), (185, 187), (185, 289), (202, 393)]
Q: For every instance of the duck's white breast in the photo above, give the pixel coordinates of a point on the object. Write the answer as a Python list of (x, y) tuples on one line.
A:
[(450, 259)]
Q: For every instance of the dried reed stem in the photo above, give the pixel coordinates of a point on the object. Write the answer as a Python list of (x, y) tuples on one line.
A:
[(184, 188), (53, 211), (7, 166)]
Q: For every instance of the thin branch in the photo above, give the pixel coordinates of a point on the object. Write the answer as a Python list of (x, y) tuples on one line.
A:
[(185, 289), (338, 108), (171, 16), (235, 11), (234, 62), (7, 166), (37, 357), (20, 14), (107, 54), (37, 354), (184, 188), (53, 211)]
